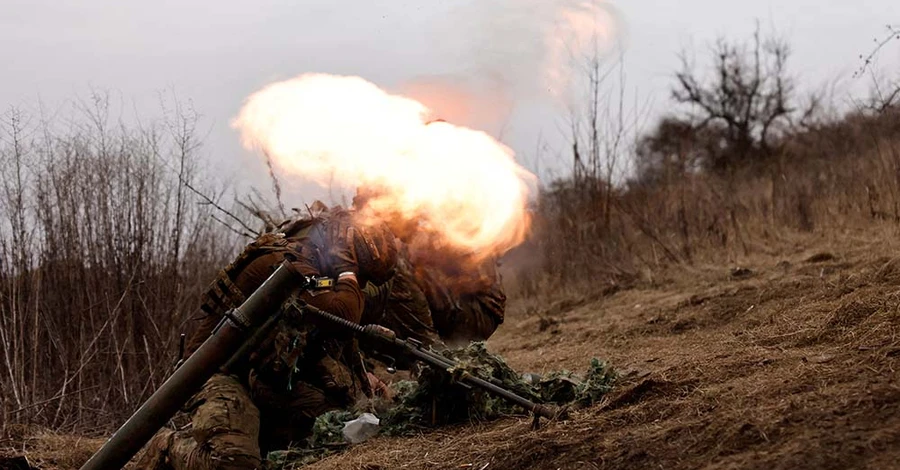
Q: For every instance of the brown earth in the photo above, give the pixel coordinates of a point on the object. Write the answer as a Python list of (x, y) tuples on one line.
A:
[(790, 362), (790, 365)]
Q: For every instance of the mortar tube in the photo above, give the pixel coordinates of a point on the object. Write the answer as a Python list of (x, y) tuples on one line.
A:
[(194, 372)]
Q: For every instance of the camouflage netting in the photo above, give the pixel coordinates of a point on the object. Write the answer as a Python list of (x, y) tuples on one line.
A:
[(433, 401), (326, 439)]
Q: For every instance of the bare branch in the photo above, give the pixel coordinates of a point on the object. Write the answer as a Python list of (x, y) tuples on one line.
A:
[(276, 185), (212, 203), (893, 32)]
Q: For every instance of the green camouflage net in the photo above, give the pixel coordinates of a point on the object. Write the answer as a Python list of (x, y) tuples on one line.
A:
[(326, 439), (567, 388), (433, 400)]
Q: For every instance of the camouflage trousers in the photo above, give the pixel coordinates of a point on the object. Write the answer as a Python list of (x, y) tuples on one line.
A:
[(229, 431)]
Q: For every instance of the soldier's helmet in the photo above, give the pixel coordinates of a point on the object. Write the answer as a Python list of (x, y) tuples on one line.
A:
[(376, 252)]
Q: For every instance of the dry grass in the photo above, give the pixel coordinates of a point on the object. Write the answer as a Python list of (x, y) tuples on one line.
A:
[(793, 366), (838, 175), (787, 363), (45, 449), (103, 253)]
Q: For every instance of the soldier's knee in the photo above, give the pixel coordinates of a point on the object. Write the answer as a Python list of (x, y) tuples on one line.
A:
[(234, 452), (224, 427), (157, 451), (222, 451), (224, 407)]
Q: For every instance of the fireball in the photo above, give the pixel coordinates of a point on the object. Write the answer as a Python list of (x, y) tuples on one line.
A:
[(454, 182)]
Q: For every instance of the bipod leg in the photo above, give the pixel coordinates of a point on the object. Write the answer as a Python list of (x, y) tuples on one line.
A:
[(535, 422)]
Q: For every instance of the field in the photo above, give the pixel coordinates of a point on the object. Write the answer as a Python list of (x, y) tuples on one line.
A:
[(790, 362), (745, 285), (787, 361)]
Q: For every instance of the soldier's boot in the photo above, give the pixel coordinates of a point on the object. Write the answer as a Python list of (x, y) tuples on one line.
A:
[(156, 452)]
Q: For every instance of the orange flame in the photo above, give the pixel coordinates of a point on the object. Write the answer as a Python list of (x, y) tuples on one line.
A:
[(453, 181)]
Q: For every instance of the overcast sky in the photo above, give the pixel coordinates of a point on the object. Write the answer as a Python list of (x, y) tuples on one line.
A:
[(216, 53)]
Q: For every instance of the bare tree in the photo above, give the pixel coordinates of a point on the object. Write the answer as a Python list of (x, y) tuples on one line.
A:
[(743, 99)]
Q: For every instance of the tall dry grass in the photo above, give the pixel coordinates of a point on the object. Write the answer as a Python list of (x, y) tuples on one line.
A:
[(103, 252), (739, 160), (841, 173)]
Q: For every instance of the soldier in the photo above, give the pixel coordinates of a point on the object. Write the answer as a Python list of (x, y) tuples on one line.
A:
[(464, 295), (438, 295), (300, 371), (401, 305)]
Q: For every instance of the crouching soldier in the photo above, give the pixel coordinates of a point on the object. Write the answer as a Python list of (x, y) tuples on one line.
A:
[(438, 296), (401, 305), (301, 370), (465, 296)]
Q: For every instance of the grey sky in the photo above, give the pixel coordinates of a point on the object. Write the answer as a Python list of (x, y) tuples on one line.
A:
[(217, 53)]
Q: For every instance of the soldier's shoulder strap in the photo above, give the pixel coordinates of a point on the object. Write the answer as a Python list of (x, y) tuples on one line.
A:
[(222, 293)]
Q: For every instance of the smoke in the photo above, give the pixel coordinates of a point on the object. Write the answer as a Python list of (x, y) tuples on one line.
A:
[(503, 67), (505, 53), (534, 45), (457, 182)]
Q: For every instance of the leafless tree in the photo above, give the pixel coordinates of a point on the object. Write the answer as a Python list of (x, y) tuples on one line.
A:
[(743, 99)]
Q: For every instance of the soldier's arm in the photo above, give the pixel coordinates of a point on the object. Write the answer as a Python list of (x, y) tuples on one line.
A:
[(246, 281), (345, 300)]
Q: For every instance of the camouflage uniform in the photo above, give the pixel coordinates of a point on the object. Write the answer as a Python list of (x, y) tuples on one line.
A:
[(400, 305), (298, 373), (439, 297), (466, 299)]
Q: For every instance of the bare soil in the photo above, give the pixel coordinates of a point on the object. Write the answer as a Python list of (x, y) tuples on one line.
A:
[(791, 362)]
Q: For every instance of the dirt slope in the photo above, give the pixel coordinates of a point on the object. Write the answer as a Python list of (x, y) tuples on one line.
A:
[(792, 365)]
